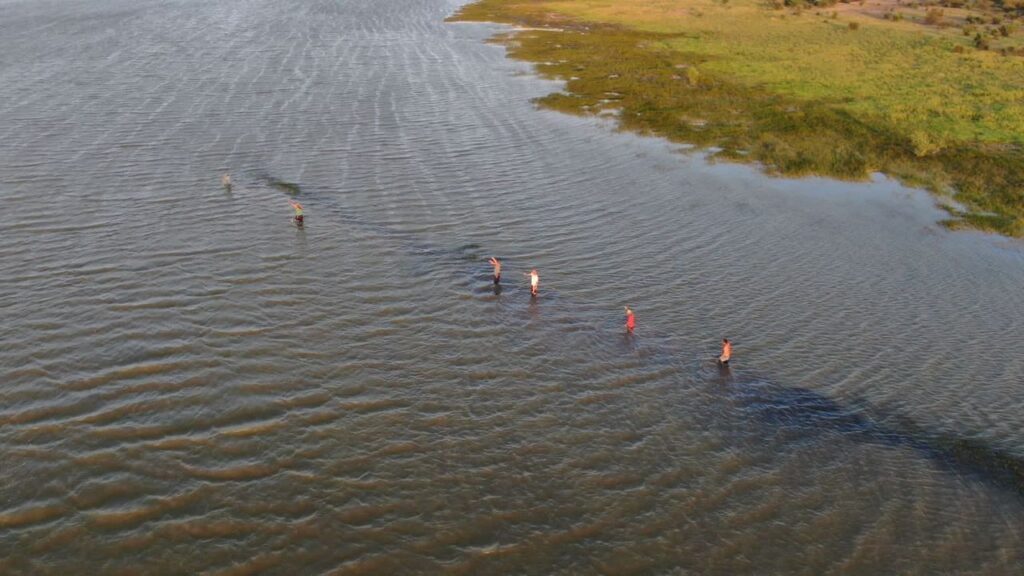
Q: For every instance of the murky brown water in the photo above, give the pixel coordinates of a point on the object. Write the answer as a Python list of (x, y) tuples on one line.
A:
[(190, 384)]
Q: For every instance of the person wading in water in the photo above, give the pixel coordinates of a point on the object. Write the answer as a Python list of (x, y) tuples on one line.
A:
[(299, 215), (534, 282), (726, 352), (630, 320), (497, 269)]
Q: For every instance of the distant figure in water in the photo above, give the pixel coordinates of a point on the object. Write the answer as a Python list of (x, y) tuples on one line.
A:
[(497, 269), (225, 180), (726, 352), (630, 320), (298, 212), (534, 282)]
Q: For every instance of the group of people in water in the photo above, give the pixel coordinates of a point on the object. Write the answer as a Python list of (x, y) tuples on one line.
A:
[(299, 219), (723, 358), (534, 277)]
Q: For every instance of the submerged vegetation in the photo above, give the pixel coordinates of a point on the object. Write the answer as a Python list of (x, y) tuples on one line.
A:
[(284, 186), (799, 92)]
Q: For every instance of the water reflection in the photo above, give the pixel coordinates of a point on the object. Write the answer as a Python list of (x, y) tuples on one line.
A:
[(200, 385)]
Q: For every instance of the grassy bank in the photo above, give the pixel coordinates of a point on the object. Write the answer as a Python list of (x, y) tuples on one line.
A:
[(833, 92)]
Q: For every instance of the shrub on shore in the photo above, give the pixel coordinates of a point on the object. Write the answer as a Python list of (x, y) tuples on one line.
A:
[(935, 17)]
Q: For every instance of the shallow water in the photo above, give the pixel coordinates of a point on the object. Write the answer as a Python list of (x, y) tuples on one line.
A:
[(192, 384)]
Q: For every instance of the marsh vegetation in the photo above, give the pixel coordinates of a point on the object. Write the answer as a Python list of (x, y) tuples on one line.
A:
[(841, 92)]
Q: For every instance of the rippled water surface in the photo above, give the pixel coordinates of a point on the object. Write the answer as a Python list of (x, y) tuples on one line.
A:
[(191, 384)]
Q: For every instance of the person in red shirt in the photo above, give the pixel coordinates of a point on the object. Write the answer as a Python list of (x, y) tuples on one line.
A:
[(726, 352), (630, 320)]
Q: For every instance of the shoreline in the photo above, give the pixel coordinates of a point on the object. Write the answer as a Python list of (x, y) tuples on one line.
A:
[(651, 87)]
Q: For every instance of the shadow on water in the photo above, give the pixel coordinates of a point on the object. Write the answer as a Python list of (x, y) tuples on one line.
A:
[(320, 201), (466, 261), (289, 188), (795, 415), (798, 415)]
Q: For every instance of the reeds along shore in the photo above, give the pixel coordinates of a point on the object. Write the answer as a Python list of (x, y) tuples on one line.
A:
[(790, 103)]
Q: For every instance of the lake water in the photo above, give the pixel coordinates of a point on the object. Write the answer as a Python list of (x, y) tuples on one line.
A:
[(189, 383)]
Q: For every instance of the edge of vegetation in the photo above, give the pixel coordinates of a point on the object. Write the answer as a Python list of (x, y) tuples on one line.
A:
[(651, 88)]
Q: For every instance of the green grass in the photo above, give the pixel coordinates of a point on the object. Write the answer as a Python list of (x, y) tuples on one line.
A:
[(799, 94)]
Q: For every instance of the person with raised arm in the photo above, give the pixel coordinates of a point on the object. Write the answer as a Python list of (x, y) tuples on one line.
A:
[(534, 282), (299, 214), (497, 269)]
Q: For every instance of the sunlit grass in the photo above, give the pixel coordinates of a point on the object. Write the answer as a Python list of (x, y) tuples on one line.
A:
[(801, 94)]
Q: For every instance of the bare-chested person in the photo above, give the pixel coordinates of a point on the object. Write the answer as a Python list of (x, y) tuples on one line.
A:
[(534, 282), (726, 352), (497, 269)]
